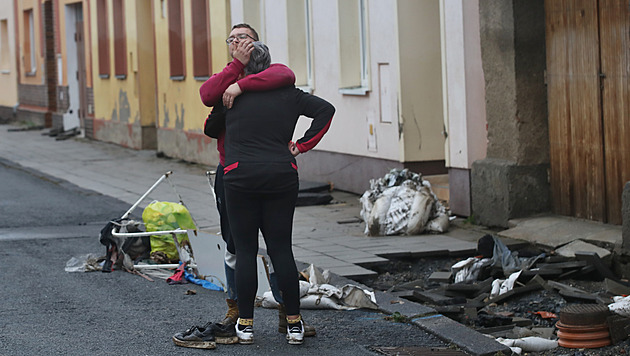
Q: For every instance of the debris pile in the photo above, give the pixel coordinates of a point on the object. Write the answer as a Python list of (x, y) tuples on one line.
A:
[(402, 203), (525, 298)]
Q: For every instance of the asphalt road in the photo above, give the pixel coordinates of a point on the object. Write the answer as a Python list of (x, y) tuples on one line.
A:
[(47, 311)]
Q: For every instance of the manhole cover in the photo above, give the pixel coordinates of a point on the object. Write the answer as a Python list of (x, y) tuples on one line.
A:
[(416, 350), (584, 314)]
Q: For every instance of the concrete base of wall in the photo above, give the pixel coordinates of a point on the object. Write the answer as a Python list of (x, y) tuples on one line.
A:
[(7, 115), (353, 173), (625, 217), (502, 190), (38, 117), (188, 146), (149, 138), (459, 191)]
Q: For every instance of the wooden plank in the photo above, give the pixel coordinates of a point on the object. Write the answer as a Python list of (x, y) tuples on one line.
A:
[(588, 156), (558, 105), (615, 65)]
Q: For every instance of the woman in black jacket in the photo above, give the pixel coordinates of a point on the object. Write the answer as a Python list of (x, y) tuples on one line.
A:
[(261, 186)]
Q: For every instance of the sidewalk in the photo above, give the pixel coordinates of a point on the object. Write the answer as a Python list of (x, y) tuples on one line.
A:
[(322, 234)]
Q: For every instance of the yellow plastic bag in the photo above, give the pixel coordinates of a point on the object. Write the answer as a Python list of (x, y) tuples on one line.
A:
[(164, 216)]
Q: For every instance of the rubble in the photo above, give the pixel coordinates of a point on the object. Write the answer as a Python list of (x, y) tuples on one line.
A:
[(543, 283)]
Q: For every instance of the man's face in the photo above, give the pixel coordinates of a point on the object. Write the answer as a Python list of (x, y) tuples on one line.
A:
[(235, 34)]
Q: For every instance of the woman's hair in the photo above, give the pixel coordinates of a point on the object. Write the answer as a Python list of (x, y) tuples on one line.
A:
[(259, 60)]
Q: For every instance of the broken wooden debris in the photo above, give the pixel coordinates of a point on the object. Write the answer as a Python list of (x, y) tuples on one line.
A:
[(616, 288), (593, 259), (619, 328), (441, 277)]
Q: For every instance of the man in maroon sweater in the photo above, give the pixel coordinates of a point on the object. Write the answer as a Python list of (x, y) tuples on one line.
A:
[(223, 88)]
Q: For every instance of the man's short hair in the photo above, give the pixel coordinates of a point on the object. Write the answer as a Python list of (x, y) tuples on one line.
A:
[(259, 60), (244, 25)]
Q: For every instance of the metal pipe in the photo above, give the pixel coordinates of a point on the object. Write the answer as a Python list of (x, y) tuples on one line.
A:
[(133, 207)]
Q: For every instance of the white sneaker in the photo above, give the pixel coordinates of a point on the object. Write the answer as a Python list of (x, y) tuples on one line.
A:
[(246, 335), (295, 333)]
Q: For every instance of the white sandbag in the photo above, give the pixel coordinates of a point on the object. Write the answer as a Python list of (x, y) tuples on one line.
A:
[(439, 224), (621, 306), (376, 223), (530, 343), (419, 211)]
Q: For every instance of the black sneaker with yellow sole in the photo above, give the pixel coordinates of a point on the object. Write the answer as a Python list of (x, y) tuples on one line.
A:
[(196, 337)]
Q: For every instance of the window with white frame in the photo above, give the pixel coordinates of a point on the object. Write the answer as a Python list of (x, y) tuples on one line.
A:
[(300, 42), (353, 47), (4, 46)]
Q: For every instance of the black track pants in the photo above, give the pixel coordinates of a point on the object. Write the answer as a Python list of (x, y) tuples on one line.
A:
[(273, 215)]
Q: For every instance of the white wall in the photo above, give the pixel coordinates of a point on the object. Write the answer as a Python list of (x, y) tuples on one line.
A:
[(8, 74), (349, 132), (465, 104), (379, 109)]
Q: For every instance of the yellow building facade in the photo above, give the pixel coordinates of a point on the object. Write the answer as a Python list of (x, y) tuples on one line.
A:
[(150, 58)]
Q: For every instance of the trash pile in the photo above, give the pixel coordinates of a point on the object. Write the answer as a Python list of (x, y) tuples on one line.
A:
[(530, 300), (402, 203)]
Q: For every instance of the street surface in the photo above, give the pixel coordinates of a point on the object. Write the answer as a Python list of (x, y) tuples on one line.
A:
[(47, 311)]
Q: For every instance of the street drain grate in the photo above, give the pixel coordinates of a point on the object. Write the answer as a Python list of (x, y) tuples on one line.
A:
[(415, 351)]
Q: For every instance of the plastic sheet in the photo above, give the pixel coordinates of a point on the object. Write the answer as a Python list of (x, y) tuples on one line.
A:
[(83, 263)]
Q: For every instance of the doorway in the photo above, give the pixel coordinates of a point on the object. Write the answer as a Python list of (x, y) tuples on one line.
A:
[(75, 66), (588, 80)]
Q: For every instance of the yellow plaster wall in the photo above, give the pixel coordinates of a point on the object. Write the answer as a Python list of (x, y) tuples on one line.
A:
[(22, 5)]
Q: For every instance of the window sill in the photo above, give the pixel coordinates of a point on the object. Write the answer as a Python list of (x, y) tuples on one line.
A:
[(354, 91), (5, 71), (202, 79), (103, 76), (30, 74), (121, 76), (178, 78), (305, 88)]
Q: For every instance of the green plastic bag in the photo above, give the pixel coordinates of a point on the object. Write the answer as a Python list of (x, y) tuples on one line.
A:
[(164, 216)]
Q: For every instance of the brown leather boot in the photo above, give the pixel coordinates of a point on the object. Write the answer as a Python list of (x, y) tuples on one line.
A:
[(232, 313), (282, 323)]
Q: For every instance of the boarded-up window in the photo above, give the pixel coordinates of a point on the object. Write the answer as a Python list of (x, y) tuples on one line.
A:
[(120, 41), (202, 59), (103, 38), (176, 39), (30, 62)]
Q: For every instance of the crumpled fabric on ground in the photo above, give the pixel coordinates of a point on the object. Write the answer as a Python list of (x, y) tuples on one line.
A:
[(529, 344), (178, 276), (468, 270), (502, 286), (202, 282), (83, 263), (402, 203), (317, 293), (508, 260)]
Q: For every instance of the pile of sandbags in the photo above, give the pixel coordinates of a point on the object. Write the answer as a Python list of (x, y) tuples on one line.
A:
[(402, 203)]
